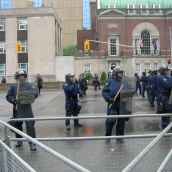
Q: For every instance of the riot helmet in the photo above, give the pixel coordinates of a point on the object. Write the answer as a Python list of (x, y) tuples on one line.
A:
[(20, 72), (116, 71), (163, 70), (113, 66), (69, 77)]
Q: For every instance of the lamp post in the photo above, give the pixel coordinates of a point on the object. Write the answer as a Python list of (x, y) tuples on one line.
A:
[(170, 42)]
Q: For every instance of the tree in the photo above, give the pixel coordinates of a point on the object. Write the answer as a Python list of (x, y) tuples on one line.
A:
[(70, 50), (103, 78)]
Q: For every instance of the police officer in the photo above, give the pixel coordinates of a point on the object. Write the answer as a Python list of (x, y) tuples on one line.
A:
[(22, 110), (164, 84), (109, 92), (153, 89), (144, 81), (71, 90), (96, 82)]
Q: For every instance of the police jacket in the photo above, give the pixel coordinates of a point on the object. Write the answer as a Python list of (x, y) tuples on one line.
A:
[(152, 81), (110, 90), (71, 91), (144, 80), (164, 84), (23, 110)]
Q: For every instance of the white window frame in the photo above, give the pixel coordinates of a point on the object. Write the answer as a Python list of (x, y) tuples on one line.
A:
[(157, 9), (3, 70), (22, 24), (117, 46), (23, 46), (155, 68), (131, 10), (111, 6), (20, 66), (87, 65), (138, 70), (2, 26), (141, 7), (146, 68), (2, 46)]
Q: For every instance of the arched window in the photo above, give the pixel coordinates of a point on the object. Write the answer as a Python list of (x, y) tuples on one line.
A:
[(145, 45)]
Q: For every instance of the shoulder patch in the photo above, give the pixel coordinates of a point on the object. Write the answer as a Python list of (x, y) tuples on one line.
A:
[(165, 79), (66, 85)]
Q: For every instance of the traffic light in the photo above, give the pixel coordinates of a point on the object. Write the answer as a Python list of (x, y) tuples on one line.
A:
[(18, 46), (86, 45)]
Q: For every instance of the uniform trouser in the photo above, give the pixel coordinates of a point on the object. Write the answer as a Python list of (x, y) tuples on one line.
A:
[(30, 129), (138, 86), (120, 125), (143, 90), (69, 114), (165, 120)]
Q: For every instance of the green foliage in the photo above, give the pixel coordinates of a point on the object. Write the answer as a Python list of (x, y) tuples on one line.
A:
[(70, 50), (103, 78), (87, 75)]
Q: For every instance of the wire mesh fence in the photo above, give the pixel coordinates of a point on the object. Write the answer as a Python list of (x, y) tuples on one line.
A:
[(11, 162)]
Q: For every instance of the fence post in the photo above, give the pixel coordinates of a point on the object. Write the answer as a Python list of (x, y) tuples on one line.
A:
[(7, 140), (4, 159)]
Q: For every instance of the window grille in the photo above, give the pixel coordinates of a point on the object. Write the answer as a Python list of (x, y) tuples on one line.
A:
[(145, 43)]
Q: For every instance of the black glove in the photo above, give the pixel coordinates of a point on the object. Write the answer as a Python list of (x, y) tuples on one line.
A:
[(111, 100)]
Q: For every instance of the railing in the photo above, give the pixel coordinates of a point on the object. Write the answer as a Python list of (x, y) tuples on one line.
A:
[(11, 162), (45, 148), (97, 155)]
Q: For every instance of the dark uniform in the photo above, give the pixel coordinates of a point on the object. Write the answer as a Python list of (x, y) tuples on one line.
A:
[(22, 110), (71, 90), (96, 82), (109, 92), (144, 80), (164, 84)]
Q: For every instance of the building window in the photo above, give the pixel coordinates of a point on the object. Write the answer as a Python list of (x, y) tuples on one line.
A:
[(156, 8), (138, 68), (144, 8), (147, 67), (145, 44), (131, 8), (87, 68), (5, 4), (24, 46), (155, 67), (2, 47), (23, 66), (22, 24), (113, 46), (2, 25), (2, 69), (111, 5), (86, 14), (37, 3)]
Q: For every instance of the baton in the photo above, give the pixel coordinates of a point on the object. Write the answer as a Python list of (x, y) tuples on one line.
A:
[(116, 95), (17, 92)]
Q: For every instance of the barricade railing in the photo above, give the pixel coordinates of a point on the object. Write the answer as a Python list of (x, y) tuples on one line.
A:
[(120, 155), (11, 162), (50, 151), (135, 162)]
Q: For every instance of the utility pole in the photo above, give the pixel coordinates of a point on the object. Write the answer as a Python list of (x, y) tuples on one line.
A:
[(171, 42)]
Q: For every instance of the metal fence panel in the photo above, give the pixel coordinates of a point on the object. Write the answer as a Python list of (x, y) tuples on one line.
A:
[(11, 162)]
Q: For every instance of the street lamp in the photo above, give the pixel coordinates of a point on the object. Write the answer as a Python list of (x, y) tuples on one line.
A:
[(170, 42)]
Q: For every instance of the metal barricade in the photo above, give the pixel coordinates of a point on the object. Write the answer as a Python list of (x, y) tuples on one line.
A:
[(11, 162), (97, 155), (48, 150)]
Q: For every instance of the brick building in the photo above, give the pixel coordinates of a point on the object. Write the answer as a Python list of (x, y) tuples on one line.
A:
[(134, 34)]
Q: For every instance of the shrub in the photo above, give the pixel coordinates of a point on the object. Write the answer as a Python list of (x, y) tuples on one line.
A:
[(88, 76), (70, 50), (103, 78)]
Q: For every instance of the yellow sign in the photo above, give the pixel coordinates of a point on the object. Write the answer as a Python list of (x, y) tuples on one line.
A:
[(86, 45), (18, 46)]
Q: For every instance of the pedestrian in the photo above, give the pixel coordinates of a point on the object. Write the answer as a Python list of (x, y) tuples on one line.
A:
[(144, 81), (164, 84), (111, 90), (3, 80), (96, 82), (71, 90), (39, 82), (138, 85), (23, 109)]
